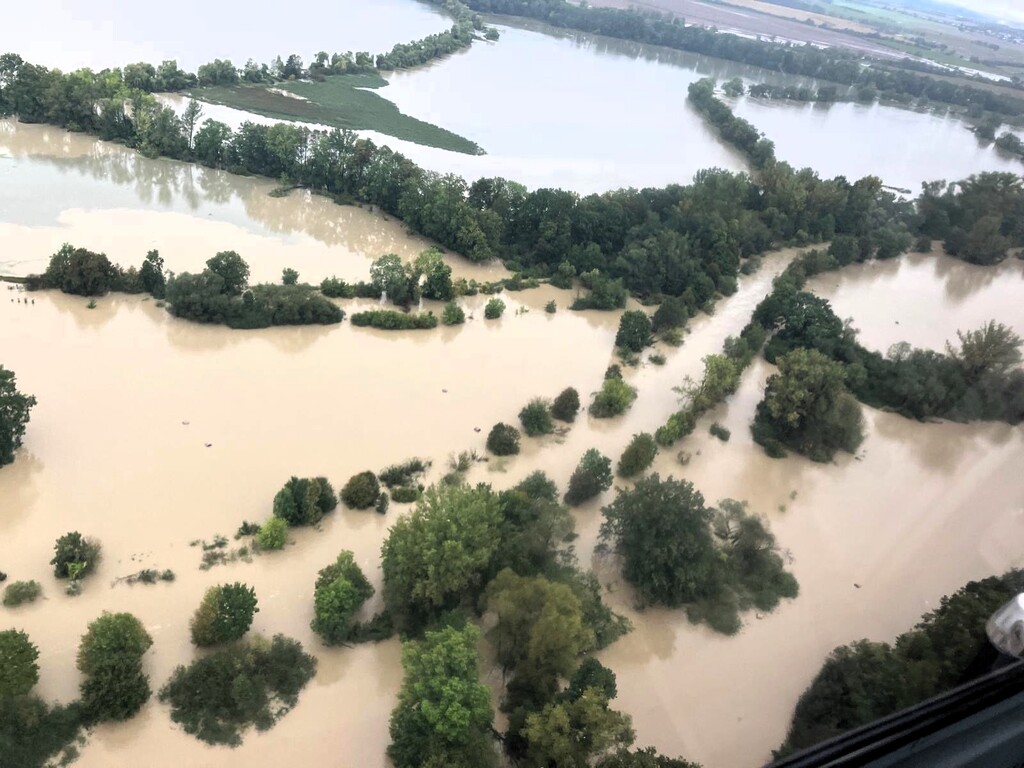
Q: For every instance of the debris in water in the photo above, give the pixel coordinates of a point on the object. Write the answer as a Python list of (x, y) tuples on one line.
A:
[(208, 445)]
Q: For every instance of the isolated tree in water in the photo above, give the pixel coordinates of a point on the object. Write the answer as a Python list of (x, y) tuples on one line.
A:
[(14, 414)]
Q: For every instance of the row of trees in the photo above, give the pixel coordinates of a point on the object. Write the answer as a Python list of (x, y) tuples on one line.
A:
[(685, 241), (735, 130), (864, 681)]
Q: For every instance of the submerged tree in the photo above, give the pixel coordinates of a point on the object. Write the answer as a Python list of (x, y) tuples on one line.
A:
[(14, 415)]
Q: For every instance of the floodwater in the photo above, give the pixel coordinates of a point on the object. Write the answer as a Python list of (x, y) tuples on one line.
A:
[(109, 33), (58, 187), (901, 146), (129, 398)]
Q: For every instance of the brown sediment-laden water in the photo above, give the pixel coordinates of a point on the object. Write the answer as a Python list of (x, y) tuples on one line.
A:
[(152, 433)]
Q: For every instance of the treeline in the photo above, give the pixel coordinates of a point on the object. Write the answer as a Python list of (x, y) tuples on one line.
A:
[(865, 681), (976, 379), (831, 64), (219, 294), (735, 130)]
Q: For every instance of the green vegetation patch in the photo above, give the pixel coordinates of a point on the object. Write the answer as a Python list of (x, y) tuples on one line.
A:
[(340, 101)]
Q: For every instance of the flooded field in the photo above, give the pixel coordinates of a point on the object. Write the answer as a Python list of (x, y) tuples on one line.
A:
[(107, 33), (903, 147)]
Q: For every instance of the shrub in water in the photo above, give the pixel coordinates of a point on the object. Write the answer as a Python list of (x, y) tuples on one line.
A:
[(494, 309), (21, 592), (74, 556), (566, 405), (503, 440), (536, 418), (361, 491), (592, 476), (615, 398), (720, 432), (452, 314), (638, 456), (225, 614), (273, 534)]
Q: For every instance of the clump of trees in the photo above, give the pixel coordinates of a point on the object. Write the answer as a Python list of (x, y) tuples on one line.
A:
[(494, 309), (807, 408), (114, 687), (592, 477), (453, 314), (444, 714), (32, 733), (613, 399), (304, 501), (566, 405), (361, 491), (678, 552), (341, 589), (638, 456), (503, 440), (224, 615), (864, 681), (536, 418), (217, 697), (634, 331), (15, 409), (390, 320), (735, 130), (721, 378), (74, 558)]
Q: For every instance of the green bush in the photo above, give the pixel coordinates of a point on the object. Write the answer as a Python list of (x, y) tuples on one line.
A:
[(634, 331), (720, 432), (383, 502), (452, 314), (536, 418), (224, 615), (289, 276), (21, 592), (566, 405), (638, 456), (19, 671), (391, 320), (334, 288), (220, 695), (503, 440), (74, 556), (110, 658), (304, 501), (592, 476), (923, 244), (672, 313), (657, 358), (404, 494), (340, 591), (551, 307), (614, 398), (404, 473), (361, 491), (494, 309), (273, 534)]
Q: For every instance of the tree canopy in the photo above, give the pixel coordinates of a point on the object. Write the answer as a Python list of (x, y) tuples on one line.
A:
[(15, 408)]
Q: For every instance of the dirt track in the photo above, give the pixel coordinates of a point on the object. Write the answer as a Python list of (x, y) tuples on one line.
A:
[(749, 22)]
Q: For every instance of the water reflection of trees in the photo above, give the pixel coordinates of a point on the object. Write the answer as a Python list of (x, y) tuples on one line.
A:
[(163, 182)]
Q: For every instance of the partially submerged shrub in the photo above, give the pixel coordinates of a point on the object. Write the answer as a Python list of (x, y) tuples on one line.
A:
[(390, 320), (404, 473), (453, 314), (634, 331), (217, 697), (638, 456), (361, 491), (566, 405), (273, 534), (74, 556), (224, 615), (614, 398), (340, 591), (536, 418), (110, 658), (592, 476), (494, 309), (720, 432), (503, 440), (304, 501), (21, 592), (404, 494)]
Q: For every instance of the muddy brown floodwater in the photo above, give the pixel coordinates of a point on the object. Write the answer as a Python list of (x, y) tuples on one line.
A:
[(129, 398)]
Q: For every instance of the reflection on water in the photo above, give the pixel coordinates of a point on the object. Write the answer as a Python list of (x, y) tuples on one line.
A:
[(109, 33), (61, 187), (923, 299)]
